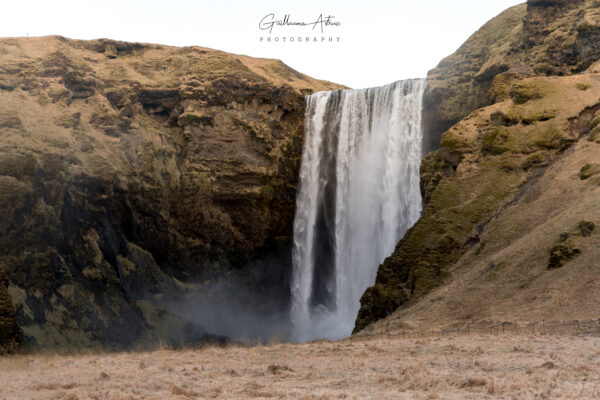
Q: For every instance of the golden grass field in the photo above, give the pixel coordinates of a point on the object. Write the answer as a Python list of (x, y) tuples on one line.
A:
[(461, 367)]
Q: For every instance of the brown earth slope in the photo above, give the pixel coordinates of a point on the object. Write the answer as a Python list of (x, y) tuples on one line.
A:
[(130, 170), (511, 197)]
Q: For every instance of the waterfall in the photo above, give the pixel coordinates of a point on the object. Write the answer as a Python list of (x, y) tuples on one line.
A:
[(359, 193)]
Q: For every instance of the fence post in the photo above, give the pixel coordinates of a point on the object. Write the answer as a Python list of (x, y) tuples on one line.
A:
[(543, 327)]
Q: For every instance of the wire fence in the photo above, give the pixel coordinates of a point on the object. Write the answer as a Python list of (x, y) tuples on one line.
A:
[(575, 327)]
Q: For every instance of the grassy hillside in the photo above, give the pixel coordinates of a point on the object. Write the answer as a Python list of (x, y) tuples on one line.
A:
[(509, 229)]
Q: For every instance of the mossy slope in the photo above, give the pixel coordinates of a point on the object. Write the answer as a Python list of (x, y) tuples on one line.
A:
[(487, 164)]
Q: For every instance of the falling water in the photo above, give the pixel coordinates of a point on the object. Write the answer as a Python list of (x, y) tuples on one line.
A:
[(359, 193)]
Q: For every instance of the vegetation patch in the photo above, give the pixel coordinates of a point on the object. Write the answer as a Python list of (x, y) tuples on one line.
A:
[(521, 93), (453, 147), (539, 159), (586, 228), (498, 118), (495, 141), (589, 170), (561, 254), (550, 138), (538, 116), (193, 119), (583, 86)]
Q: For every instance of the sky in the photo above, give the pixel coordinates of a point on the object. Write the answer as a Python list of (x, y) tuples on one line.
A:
[(380, 41)]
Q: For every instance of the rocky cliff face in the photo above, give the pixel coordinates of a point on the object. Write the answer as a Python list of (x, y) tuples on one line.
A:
[(492, 222), (540, 37), (131, 174)]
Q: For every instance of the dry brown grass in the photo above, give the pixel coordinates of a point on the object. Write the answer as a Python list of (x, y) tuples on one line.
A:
[(473, 367)]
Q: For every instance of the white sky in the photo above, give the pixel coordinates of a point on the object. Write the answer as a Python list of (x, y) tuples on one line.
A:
[(381, 40)]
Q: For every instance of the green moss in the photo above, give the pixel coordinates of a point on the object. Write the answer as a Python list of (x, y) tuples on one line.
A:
[(267, 192), (501, 86), (454, 142), (426, 277), (549, 138), (457, 205), (521, 93), (538, 159), (495, 141), (510, 162), (379, 301), (453, 147), (538, 116)]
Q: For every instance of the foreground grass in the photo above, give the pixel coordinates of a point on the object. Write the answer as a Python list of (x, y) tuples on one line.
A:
[(465, 367)]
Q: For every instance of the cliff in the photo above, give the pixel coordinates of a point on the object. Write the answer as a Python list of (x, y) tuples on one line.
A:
[(508, 229), (131, 174), (537, 38)]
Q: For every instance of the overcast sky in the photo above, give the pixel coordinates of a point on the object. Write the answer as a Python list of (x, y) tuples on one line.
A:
[(381, 41)]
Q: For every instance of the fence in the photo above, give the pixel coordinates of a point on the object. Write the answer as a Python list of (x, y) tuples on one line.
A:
[(575, 327)]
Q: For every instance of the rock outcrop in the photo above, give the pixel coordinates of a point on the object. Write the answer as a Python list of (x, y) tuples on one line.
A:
[(521, 101), (131, 173), (540, 37)]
